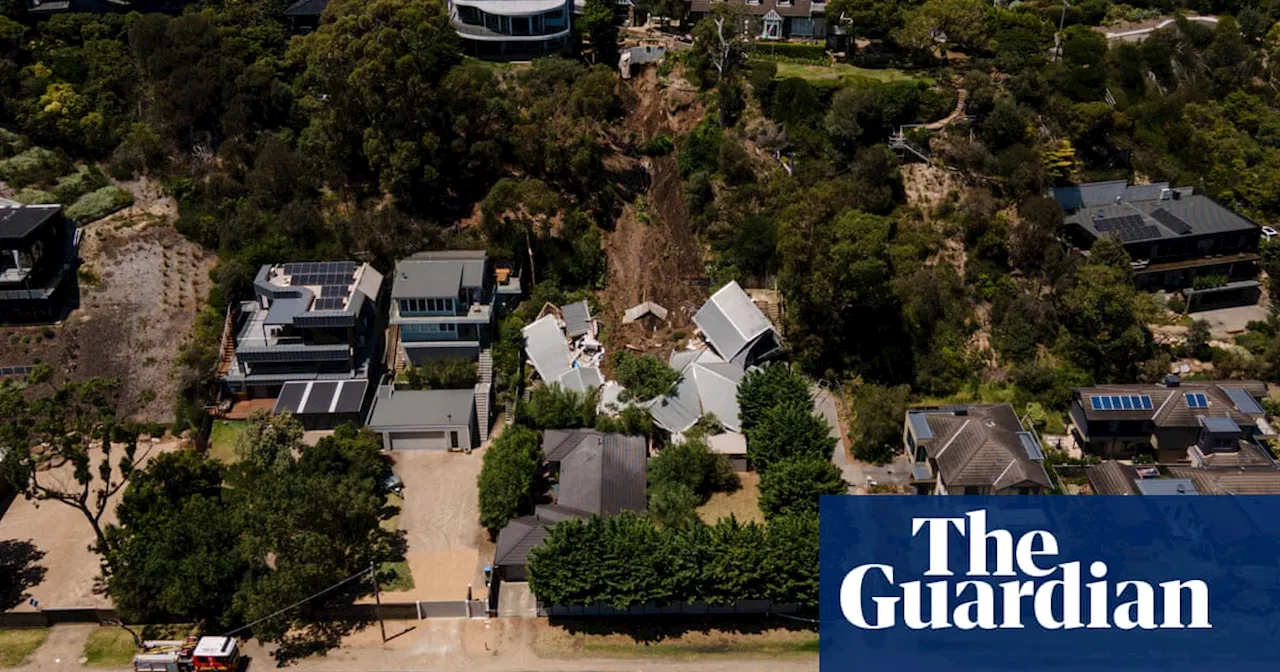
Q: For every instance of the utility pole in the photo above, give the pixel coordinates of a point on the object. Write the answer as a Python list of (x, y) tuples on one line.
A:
[(377, 599)]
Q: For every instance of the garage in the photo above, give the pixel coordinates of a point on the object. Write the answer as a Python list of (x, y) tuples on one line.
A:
[(424, 419), (419, 441)]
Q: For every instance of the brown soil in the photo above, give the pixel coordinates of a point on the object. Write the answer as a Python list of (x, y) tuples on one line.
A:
[(142, 284), (653, 254)]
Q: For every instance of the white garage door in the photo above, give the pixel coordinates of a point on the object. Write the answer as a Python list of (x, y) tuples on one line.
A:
[(419, 441)]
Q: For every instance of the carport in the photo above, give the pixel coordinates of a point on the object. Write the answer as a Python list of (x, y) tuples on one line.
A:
[(323, 404), (424, 419)]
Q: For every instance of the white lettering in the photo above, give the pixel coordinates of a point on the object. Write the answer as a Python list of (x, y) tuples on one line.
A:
[(1070, 585), (912, 606), (851, 599), (1098, 596), (1173, 604), (938, 562), (1139, 613), (978, 538), (979, 612), (1027, 552)]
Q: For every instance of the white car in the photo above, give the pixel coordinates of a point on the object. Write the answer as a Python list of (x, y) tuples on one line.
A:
[(1269, 233)]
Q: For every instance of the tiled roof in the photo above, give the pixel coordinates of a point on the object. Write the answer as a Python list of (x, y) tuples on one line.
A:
[(1169, 407), (605, 477), (518, 538), (981, 448)]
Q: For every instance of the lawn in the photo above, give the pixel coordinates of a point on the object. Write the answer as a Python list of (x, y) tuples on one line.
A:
[(843, 73), (743, 503), (16, 645), (395, 576), (109, 647), (222, 440), (558, 642)]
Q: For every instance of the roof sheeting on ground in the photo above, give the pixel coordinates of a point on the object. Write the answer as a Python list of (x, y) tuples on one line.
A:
[(641, 309), (581, 379), (547, 348), (321, 397), (577, 318), (730, 321), (394, 409)]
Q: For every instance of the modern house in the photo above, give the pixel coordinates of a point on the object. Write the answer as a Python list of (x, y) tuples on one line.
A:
[(309, 322), (425, 419), (737, 330), (1178, 240), (511, 28), (304, 15), (37, 260), (974, 450), (599, 475), (772, 19), (1201, 422)]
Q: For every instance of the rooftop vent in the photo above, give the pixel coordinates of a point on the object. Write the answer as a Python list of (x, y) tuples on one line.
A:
[(1172, 380)]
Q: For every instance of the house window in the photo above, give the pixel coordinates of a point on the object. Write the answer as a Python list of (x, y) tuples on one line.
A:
[(453, 439)]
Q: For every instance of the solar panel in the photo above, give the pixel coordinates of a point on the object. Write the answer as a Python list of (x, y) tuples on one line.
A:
[(1031, 445), (333, 303), (1145, 232), (290, 397), (15, 370), (1121, 402), (1171, 221), (1196, 400), (320, 398), (1244, 401), (1118, 223), (328, 291)]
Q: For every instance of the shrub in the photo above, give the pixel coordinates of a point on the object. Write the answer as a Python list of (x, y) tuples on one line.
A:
[(98, 204), (643, 376), (33, 166), (509, 480), (692, 465), (555, 407), (31, 196), (793, 485), (77, 184), (1177, 304), (785, 432), (451, 373), (1208, 281), (812, 54), (660, 145), (878, 415)]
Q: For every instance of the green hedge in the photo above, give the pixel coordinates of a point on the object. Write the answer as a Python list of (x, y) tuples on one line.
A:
[(33, 166), (812, 54)]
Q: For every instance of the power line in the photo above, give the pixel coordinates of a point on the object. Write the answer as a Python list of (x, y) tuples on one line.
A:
[(302, 601)]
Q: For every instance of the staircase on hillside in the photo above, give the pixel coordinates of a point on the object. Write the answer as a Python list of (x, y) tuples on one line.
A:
[(484, 392), (898, 142), (228, 343)]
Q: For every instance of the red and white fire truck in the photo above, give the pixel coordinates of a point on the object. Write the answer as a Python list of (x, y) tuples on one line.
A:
[(204, 654)]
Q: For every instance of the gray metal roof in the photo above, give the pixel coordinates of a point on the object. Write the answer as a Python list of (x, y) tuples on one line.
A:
[(394, 409), (1245, 403), (605, 477), (581, 379), (282, 311), (545, 344), (1220, 425), (1166, 486), (439, 274), (576, 316), (707, 384), (1094, 194), (730, 321), (679, 410), (1201, 214), (558, 443)]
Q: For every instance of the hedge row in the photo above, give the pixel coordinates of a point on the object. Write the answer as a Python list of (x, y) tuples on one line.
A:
[(812, 54)]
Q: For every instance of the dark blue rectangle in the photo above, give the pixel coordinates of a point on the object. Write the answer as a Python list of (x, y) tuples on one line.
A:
[(1222, 550)]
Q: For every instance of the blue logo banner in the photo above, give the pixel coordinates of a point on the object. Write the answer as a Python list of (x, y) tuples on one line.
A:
[(945, 584)]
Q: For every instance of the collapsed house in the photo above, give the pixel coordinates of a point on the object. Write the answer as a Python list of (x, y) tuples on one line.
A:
[(562, 346)]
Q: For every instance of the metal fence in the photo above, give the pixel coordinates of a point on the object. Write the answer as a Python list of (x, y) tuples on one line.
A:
[(677, 609), (400, 611)]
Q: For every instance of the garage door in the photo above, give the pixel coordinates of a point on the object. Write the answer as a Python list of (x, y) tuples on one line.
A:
[(419, 441)]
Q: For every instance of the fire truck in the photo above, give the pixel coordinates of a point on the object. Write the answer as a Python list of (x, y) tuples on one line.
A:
[(204, 654)]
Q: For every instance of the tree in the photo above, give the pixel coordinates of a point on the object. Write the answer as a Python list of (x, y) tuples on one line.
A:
[(878, 414), (270, 441), (596, 25), (76, 423), (1198, 337), (791, 560), (555, 407), (787, 431), (793, 485), (735, 557), (1041, 220), (1105, 337), (673, 504), (716, 40), (510, 478), (644, 376), (691, 464), (768, 387), (959, 22), (872, 19), (449, 373), (1271, 264)]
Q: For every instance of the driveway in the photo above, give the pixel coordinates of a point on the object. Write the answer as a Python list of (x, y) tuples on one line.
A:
[(1232, 320), (441, 520), (859, 475)]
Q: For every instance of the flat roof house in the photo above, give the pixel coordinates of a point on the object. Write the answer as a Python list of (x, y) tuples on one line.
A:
[(309, 338), (974, 450), (1201, 422), (425, 419), (1173, 236), (599, 474), (516, 29), (37, 256)]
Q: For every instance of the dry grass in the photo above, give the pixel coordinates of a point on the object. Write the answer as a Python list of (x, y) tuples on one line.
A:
[(744, 503), (109, 647), (16, 645), (553, 641)]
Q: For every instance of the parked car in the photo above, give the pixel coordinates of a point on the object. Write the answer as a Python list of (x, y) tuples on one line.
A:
[(1269, 232), (392, 483)]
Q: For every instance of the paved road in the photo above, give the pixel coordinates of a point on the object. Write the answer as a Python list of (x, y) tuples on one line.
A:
[(824, 404)]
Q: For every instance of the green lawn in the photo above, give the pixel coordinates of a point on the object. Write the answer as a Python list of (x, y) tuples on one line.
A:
[(109, 647), (222, 440), (395, 577), (16, 645), (842, 74)]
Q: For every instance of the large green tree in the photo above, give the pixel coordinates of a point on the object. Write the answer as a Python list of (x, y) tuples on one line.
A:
[(793, 485), (788, 432), (878, 415), (767, 387), (510, 478)]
